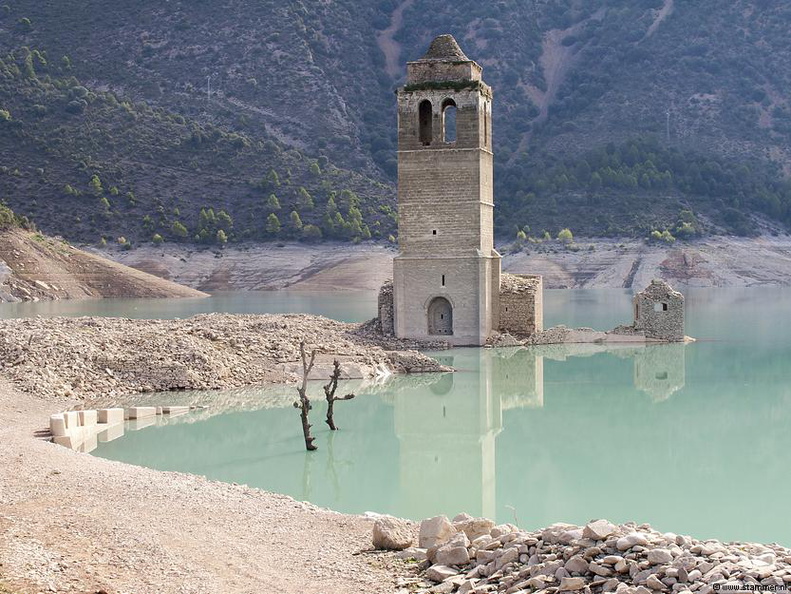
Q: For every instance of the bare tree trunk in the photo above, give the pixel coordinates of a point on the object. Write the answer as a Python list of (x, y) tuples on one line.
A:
[(304, 402), (329, 393)]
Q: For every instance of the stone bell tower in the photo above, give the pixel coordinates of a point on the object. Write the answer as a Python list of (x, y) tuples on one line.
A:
[(446, 278)]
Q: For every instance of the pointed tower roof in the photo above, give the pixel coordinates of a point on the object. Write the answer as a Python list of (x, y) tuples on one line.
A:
[(445, 48), (444, 61)]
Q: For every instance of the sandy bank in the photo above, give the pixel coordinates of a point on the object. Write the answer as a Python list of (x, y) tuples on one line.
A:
[(70, 522), (594, 263), (35, 267)]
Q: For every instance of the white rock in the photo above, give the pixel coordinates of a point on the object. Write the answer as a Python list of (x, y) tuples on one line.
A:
[(435, 531), (631, 540), (599, 530), (392, 534), (571, 584), (576, 565), (439, 573), (474, 527), (659, 556), (507, 557), (413, 553), (655, 583)]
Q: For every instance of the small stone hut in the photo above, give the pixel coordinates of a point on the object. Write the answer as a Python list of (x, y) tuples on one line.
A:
[(659, 312)]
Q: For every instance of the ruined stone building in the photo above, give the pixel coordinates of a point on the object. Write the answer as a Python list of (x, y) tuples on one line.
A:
[(659, 312), (447, 280)]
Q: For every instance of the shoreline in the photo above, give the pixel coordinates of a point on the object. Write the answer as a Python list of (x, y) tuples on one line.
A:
[(715, 261), (62, 529), (91, 358)]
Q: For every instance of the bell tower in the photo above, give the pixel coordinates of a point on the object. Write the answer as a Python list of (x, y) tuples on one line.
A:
[(446, 277)]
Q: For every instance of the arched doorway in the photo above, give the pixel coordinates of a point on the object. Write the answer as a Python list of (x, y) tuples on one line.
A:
[(440, 316)]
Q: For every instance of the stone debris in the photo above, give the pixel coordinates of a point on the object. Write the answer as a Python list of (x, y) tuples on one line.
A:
[(435, 532), (392, 534), (599, 557), (93, 358)]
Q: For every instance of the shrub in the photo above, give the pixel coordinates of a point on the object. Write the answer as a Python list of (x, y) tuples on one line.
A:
[(565, 236), (311, 233), (157, 239)]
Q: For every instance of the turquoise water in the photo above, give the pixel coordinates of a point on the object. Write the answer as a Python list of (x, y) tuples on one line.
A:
[(694, 439), (347, 307)]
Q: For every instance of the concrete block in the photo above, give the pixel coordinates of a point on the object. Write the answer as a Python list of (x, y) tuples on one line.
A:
[(137, 424), (66, 441), (159, 410), (87, 418), (73, 440), (89, 443), (57, 425), (110, 416), (72, 419), (175, 410), (111, 433), (142, 412)]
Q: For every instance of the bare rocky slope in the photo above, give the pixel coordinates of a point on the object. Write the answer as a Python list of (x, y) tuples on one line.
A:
[(599, 263), (35, 267)]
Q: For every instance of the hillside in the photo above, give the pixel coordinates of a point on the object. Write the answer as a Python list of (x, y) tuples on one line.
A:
[(37, 267), (612, 117)]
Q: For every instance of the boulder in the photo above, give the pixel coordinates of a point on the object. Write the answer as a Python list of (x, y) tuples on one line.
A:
[(659, 556), (439, 573), (474, 527), (631, 540), (599, 530), (435, 531), (571, 584), (392, 534), (576, 565), (454, 552)]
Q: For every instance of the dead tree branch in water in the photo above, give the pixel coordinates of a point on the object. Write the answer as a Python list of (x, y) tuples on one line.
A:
[(329, 392), (304, 402)]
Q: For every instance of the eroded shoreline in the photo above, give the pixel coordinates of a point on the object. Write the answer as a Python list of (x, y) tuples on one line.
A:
[(72, 522)]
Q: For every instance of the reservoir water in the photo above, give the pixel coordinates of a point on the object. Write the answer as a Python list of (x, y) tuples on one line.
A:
[(694, 439)]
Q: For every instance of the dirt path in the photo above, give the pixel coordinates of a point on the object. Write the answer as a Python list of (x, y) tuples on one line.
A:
[(556, 61), (70, 522), (389, 46), (661, 15)]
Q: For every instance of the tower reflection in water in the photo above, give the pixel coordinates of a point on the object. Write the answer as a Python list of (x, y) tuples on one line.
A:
[(447, 426)]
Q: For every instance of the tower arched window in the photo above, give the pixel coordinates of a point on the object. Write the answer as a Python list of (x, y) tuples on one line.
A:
[(449, 120), (425, 122)]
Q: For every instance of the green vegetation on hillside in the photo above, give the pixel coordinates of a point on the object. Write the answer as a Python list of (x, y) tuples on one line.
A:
[(88, 165), (191, 105), (640, 186)]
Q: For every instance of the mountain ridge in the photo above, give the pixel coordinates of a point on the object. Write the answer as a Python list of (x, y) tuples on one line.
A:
[(570, 79)]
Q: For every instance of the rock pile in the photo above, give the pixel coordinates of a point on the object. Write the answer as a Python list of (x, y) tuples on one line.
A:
[(473, 556), (95, 357)]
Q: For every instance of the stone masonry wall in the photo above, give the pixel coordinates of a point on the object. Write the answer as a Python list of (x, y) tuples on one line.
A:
[(521, 304), (384, 321), (659, 312)]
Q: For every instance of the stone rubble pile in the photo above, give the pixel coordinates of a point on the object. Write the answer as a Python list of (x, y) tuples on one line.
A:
[(473, 556), (96, 357)]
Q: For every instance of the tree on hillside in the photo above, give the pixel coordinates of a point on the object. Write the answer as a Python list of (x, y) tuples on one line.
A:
[(272, 203), (294, 221), (272, 224)]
